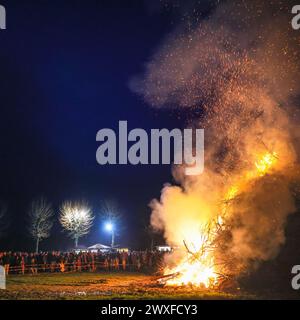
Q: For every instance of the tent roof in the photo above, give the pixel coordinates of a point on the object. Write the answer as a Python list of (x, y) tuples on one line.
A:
[(99, 246)]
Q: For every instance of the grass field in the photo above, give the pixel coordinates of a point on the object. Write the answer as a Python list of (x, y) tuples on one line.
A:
[(101, 286)]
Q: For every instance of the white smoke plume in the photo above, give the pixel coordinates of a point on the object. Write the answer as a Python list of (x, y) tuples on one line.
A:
[(240, 66)]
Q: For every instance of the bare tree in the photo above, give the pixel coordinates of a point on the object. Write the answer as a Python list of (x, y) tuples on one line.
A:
[(76, 218), (41, 220), (150, 232), (111, 216)]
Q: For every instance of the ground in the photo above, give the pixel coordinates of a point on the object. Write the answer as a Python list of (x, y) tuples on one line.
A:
[(101, 286)]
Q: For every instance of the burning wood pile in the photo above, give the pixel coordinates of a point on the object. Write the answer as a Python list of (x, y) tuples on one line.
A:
[(202, 265)]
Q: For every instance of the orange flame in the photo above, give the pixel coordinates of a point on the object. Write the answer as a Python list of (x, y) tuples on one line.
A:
[(265, 163), (198, 268)]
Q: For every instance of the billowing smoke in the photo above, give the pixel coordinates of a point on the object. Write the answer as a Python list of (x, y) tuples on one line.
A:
[(240, 66)]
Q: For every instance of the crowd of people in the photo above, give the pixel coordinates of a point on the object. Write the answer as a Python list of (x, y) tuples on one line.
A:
[(23, 262)]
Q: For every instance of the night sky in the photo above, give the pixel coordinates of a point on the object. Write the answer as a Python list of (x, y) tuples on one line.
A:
[(65, 73)]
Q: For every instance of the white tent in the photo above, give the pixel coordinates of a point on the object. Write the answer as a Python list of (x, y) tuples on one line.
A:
[(99, 246)]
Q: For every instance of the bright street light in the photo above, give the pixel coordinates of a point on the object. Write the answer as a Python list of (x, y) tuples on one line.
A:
[(110, 228)]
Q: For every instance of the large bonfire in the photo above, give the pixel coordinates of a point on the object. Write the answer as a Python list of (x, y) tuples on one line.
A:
[(200, 266), (237, 75)]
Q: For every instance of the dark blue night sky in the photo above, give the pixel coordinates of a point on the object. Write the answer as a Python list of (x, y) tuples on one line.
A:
[(65, 69)]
